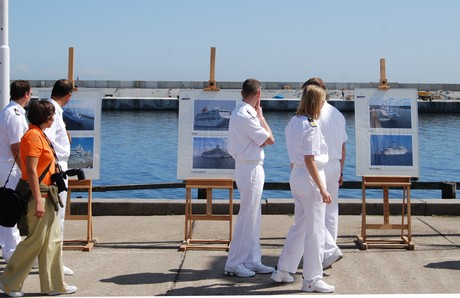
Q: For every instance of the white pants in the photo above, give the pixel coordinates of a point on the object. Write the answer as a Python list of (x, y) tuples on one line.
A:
[(63, 196), (245, 245), (308, 233), (332, 172), (9, 237)]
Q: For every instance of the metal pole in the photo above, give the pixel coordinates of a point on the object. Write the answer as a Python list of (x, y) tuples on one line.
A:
[(4, 56)]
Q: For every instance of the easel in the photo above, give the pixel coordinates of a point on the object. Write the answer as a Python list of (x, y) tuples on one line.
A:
[(405, 241), (209, 185), (80, 244)]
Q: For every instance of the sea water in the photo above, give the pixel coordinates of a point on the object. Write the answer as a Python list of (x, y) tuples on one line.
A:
[(140, 147)]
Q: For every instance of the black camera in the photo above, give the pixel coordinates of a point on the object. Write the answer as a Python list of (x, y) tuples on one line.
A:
[(76, 172), (58, 180)]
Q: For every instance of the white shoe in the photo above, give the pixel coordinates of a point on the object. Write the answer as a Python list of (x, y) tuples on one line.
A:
[(318, 286), (260, 268), (11, 293), (68, 271), (336, 256), (67, 290), (239, 271), (282, 276)]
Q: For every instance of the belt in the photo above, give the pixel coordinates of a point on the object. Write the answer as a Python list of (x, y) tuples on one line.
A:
[(297, 165), (303, 166), (251, 162)]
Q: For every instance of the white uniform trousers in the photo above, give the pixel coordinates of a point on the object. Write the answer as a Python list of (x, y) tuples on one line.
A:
[(63, 196), (9, 237), (332, 172), (307, 235), (245, 244)]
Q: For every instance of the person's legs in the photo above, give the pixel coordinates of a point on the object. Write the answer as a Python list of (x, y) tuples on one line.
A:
[(294, 245), (26, 252), (245, 244), (9, 237), (50, 258), (332, 173), (61, 212)]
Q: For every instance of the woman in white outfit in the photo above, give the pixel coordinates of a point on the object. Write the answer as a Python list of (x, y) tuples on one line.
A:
[(308, 154)]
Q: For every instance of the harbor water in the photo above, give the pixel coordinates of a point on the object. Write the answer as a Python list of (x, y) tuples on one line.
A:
[(140, 147)]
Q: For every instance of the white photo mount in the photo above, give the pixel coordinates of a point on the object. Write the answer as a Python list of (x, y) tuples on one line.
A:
[(203, 134), (386, 123), (82, 115)]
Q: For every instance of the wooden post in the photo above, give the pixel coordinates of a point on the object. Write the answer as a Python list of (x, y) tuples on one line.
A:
[(212, 80), (71, 75), (383, 79)]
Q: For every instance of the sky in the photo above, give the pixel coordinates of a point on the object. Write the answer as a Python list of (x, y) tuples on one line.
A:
[(273, 41)]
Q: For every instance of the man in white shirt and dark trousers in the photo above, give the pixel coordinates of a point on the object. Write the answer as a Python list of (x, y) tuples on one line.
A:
[(13, 125), (247, 135), (57, 133)]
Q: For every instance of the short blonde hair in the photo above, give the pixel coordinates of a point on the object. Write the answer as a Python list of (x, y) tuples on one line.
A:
[(311, 102)]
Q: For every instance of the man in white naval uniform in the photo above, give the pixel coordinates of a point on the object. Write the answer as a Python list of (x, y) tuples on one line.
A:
[(13, 125), (57, 133), (332, 124), (247, 135)]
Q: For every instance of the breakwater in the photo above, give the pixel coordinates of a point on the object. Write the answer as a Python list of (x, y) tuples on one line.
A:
[(276, 96), (268, 104)]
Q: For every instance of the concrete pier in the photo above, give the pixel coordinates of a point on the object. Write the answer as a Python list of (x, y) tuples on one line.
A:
[(138, 256)]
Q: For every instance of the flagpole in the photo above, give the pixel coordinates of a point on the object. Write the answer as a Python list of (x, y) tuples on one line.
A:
[(4, 56)]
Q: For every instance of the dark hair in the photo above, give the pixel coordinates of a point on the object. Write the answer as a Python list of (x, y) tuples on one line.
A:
[(40, 111), (18, 89), (62, 88), (250, 88), (314, 81)]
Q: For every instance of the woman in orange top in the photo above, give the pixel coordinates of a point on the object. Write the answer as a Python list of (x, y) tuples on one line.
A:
[(44, 238)]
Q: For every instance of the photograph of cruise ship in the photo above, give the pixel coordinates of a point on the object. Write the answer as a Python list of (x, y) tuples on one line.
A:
[(394, 150), (79, 115), (211, 153), (390, 112), (391, 150), (212, 114), (81, 153)]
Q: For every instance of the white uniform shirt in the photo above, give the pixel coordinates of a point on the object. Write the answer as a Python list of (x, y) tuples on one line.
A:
[(332, 124), (57, 133), (246, 134), (13, 125), (305, 138)]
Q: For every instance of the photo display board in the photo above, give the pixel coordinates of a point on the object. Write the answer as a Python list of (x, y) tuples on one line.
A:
[(203, 134), (386, 124), (82, 116)]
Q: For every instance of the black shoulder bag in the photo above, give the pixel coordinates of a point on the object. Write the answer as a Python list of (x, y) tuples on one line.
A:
[(13, 203)]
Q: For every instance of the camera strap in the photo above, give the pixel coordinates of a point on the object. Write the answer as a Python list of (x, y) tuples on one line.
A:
[(58, 167)]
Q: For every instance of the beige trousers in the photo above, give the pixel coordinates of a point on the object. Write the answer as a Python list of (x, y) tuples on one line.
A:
[(45, 241)]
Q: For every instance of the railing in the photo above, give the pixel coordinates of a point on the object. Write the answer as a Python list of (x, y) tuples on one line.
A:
[(448, 189)]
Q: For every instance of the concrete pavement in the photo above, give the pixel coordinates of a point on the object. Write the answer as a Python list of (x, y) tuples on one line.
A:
[(138, 256)]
